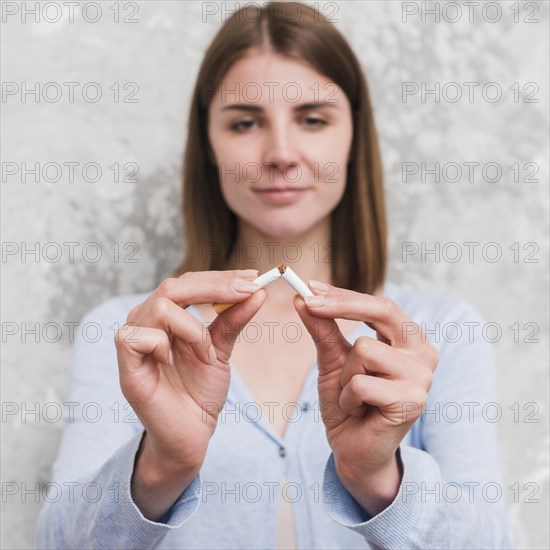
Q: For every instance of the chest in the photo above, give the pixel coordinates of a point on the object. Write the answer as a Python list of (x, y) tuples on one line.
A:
[(274, 375), (273, 357)]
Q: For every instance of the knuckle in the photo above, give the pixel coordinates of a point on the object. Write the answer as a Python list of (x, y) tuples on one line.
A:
[(160, 307), (363, 344), (416, 403), (121, 335), (356, 383), (116, 338), (421, 398), (167, 287), (132, 314), (388, 305), (427, 378)]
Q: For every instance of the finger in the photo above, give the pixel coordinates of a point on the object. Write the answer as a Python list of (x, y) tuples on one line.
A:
[(206, 287), (227, 326), (165, 314), (398, 403), (364, 390), (379, 312), (379, 336), (262, 281), (132, 348), (371, 356), (331, 344)]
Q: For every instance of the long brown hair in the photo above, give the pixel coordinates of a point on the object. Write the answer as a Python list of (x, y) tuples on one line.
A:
[(358, 222)]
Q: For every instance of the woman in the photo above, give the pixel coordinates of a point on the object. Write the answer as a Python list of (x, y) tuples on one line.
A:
[(309, 433)]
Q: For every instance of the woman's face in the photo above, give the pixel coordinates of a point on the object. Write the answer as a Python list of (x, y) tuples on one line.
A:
[(281, 135)]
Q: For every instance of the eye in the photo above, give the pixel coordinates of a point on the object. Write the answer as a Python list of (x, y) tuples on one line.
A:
[(315, 122), (242, 126)]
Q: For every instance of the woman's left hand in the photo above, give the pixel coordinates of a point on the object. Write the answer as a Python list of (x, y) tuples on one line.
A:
[(371, 392)]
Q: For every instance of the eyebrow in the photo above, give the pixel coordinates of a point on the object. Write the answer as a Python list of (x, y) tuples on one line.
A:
[(299, 108)]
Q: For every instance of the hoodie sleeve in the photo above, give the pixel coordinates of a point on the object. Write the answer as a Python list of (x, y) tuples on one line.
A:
[(451, 493), (91, 504)]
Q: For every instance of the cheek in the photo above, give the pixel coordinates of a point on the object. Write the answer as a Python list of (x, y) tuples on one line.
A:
[(331, 179), (331, 161), (239, 199), (232, 194), (332, 195), (238, 164), (228, 151)]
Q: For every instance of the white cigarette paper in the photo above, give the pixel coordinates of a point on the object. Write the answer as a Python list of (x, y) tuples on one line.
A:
[(262, 280), (296, 283), (272, 275), (268, 277)]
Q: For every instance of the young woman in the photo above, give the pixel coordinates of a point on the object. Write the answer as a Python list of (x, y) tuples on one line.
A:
[(307, 431)]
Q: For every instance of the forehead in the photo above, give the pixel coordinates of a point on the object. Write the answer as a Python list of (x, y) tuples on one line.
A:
[(271, 78)]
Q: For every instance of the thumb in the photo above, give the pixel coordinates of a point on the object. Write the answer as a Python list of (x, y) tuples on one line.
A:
[(227, 326), (332, 346)]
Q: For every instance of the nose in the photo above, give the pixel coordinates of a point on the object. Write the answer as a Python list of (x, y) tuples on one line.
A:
[(280, 151)]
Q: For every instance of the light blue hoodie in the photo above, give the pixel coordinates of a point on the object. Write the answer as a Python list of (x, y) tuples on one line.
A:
[(449, 496)]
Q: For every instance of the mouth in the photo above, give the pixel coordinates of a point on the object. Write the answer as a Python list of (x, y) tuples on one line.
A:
[(281, 195), (281, 189)]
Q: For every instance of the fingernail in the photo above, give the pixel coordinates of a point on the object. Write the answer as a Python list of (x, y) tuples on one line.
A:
[(315, 301), (248, 273), (245, 286), (318, 285), (212, 355)]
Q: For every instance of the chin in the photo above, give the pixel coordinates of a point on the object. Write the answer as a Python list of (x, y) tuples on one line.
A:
[(282, 230)]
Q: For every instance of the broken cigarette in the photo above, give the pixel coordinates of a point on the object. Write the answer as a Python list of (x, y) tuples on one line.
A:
[(295, 282), (272, 275), (268, 277)]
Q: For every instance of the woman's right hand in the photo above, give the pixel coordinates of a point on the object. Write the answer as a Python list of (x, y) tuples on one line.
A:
[(174, 371)]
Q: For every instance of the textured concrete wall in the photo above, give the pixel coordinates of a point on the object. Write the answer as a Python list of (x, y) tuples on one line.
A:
[(505, 44)]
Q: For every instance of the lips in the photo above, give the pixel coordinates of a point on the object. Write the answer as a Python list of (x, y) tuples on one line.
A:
[(278, 189), (281, 196)]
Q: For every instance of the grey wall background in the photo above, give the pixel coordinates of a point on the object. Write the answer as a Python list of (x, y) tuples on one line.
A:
[(161, 54)]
